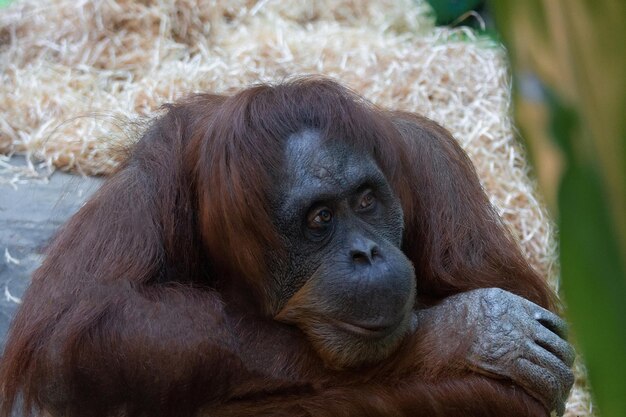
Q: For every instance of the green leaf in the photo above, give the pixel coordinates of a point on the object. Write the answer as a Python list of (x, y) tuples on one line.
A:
[(592, 283), (575, 48)]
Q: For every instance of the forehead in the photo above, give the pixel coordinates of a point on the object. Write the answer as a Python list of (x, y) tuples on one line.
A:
[(315, 165)]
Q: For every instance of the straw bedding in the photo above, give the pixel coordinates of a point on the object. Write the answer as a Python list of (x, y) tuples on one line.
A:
[(80, 78)]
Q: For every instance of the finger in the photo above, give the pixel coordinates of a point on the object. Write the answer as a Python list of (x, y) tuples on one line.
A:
[(551, 321), (556, 375), (537, 382), (555, 345), (553, 365)]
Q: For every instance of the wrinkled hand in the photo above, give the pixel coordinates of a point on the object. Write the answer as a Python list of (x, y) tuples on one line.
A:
[(513, 338)]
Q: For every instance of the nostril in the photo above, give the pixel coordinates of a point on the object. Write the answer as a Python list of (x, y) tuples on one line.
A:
[(359, 257), (364, 251), (363, 257)]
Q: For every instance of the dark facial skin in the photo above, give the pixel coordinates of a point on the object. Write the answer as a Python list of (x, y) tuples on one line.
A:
[(346, 281)]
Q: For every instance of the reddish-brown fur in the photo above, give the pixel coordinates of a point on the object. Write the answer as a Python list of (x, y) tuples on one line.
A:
[(154, 298)]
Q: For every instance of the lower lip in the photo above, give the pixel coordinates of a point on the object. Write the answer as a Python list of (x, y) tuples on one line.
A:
[(366, 330)]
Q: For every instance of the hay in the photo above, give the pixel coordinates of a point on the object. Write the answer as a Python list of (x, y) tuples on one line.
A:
[(72, 69)]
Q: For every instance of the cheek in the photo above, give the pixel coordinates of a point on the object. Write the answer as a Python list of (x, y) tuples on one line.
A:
[(394, 228), (388, 223), (291, 270), (393, 233)]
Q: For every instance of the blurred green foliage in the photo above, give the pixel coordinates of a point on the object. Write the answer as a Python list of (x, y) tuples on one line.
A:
[(4, 2), (447, 11), (576, 134)]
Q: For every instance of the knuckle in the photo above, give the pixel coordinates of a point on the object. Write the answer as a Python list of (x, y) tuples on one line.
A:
[(549, 316), (494, 292)]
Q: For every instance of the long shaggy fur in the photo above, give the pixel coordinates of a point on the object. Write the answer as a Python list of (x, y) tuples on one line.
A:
[(126, 314)]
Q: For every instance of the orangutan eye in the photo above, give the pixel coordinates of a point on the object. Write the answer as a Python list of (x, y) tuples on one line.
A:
[(367, 200), (320, 218)]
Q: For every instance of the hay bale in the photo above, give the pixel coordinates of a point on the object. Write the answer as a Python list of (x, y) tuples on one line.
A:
[(73, 70)]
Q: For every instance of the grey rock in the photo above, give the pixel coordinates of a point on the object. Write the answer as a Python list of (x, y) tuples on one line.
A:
[(29, 216)]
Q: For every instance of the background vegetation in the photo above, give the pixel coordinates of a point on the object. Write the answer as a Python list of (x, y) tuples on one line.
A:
[(569, 64)]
